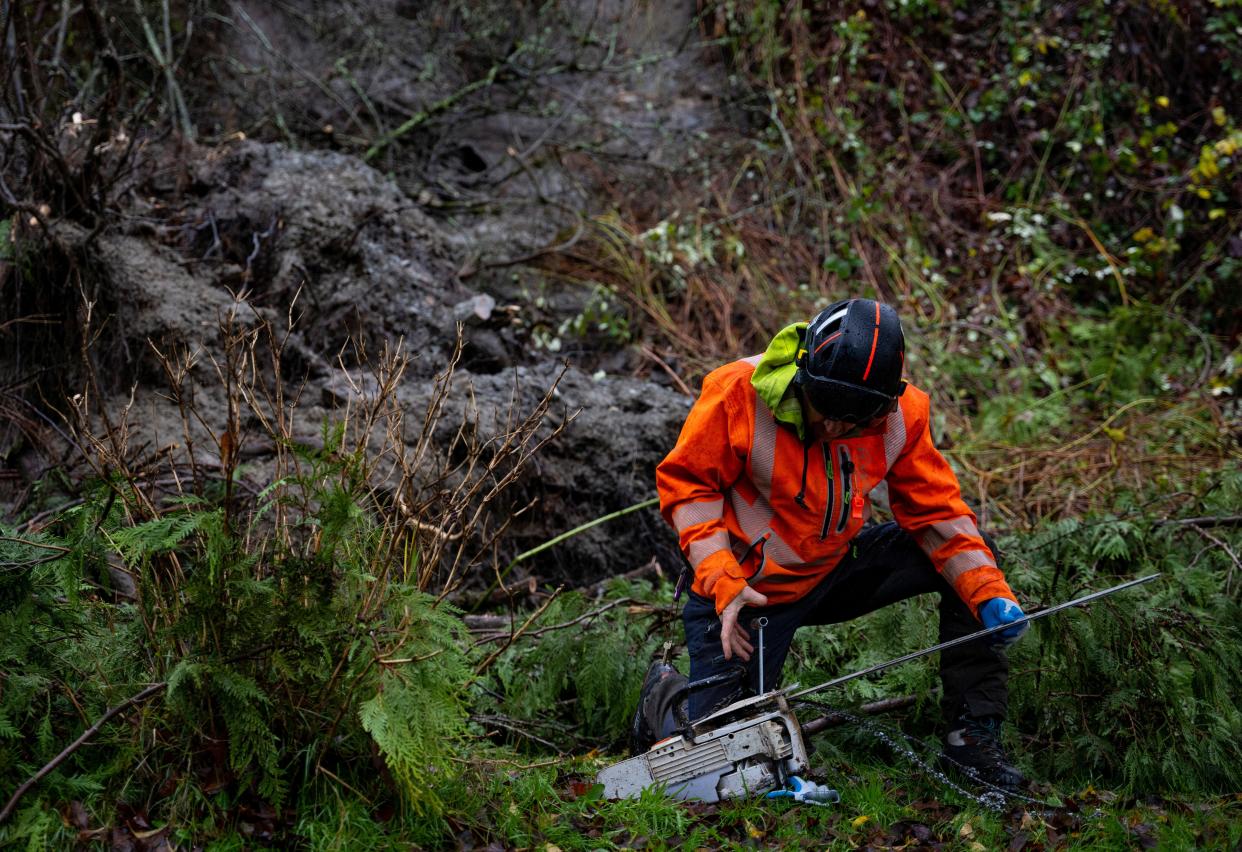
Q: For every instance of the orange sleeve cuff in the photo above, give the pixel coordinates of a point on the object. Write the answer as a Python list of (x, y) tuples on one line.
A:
[(978, 586), (719, 576)]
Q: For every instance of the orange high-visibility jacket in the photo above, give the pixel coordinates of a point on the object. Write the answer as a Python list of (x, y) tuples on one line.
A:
[(730, 488)]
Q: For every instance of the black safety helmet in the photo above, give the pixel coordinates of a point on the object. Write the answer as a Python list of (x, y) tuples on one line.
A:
[(850, 361)]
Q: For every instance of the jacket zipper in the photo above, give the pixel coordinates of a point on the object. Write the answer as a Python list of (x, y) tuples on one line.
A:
[(847, 484), (831, 474)]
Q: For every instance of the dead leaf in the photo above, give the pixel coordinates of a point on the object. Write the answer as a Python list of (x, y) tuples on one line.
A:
[(120, 840), (586, 789), (227, 445), (911, 831), (1145, 834), (77, 816), (1018, 842)]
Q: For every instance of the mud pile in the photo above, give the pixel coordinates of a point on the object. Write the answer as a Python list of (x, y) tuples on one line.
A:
[(276, 214)]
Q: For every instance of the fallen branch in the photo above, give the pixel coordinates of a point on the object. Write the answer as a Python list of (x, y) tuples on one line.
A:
[(1219, 521), (832, 720), (60, 553), (542, 630), (510, 725), (650, 569), (486, 664), (488, 623), (76, 744), (44, 545), (525, 767), (502, 625)]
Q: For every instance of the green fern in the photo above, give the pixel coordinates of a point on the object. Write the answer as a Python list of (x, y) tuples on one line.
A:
[(417, 715), (159, 535), (595, 668)]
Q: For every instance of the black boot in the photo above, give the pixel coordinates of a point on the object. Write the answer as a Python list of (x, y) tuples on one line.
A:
[(973, 746), (661, 707)]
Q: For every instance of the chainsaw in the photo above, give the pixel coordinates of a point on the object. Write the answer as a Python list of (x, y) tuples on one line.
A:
[(757, 744)]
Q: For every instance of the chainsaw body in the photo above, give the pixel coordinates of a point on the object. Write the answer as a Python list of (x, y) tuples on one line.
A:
[(747, 748)]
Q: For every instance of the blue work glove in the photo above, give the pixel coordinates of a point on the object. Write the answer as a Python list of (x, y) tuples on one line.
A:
[(807, 792), (998, 611)]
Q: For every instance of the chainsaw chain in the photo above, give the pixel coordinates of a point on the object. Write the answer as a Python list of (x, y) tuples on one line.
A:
[(994, 799)]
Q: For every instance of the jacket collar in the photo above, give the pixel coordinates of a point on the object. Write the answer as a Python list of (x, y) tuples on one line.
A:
[(774, 374)]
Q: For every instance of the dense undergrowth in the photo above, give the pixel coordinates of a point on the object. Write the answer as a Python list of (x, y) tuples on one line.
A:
[(1049, 194), (292, 710)]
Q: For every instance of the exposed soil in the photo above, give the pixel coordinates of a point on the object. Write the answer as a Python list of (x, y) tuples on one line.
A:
[(277, 205)]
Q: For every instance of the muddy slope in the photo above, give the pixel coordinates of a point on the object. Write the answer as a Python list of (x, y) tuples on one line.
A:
[(301, 202)]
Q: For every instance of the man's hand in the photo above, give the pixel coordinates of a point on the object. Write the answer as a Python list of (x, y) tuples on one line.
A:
[(733, 637), (998, 611)]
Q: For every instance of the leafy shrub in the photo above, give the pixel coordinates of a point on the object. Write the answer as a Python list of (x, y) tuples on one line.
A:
[(290, 641), (262, 657), (1141, 689)]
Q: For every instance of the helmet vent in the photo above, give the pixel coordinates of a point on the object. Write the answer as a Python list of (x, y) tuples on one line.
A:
[(837, 317)]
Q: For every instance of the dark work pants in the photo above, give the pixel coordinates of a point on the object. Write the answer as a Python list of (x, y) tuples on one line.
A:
[(883, 566)]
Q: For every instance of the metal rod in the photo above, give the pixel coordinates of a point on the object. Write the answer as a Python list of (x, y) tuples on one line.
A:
[(961, 640), (760, 623)]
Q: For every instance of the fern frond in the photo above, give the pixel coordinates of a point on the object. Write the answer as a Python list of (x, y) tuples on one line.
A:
[(143, 540)]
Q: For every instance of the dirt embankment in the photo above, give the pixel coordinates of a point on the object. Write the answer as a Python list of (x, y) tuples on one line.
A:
[(304, 199)]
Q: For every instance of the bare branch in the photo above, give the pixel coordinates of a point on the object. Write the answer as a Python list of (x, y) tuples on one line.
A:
[(75, 745)]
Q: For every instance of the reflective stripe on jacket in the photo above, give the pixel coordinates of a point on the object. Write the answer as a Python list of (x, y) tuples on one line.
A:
[(733, 489)]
